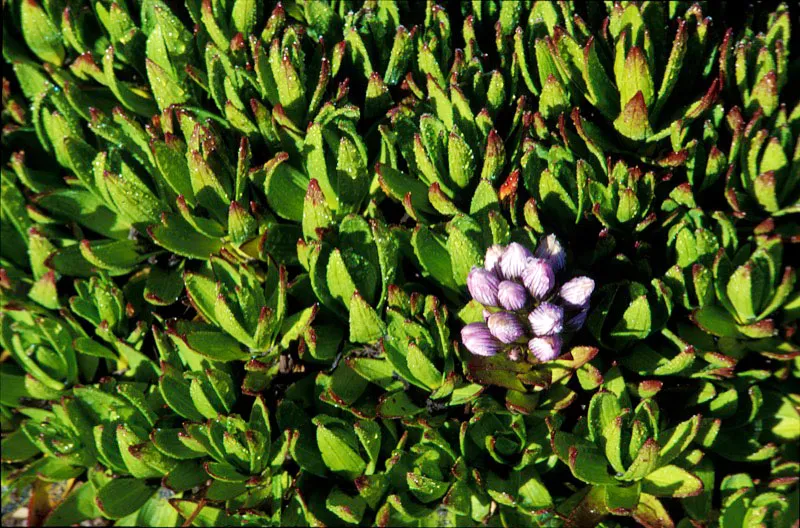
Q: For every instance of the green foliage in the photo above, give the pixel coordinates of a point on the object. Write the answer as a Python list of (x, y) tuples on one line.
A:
[(236, 235)]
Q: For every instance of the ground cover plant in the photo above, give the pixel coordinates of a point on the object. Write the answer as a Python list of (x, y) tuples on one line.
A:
[(399, 263)]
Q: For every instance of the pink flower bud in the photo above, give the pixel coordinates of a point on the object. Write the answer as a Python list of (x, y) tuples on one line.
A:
[(546, 319), (505, 326), (550, 249), (478, 340), (512, 296), (513, 261), (538, 277), (482, 285), (577, 292), (545, 348), (492, 260)]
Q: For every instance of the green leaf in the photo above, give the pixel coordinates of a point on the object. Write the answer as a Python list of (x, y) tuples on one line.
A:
[(338, 452), (122, 496), (620, 500), (117, 257), (650, 512), (432, 253), (398, 186), (602, 90), (178, 236), (673, 69), (16, 447), (397, 405), (316, 213), (677, 439), (644, 463), (85, 208), (285, 188), (163, 286), (424, 488), (377, 371), (372, 488), (202, 514), (633, 121), (90, 347), (245, 16), (636, 77), (604, 408), (589, 465), (744, 284), (168, 441), (464, 253), (79, 506), (365, 325), (294, 325), (306, 453), (340, 282), (635, 322), (40, 33), (700, 506), (215, 346), (369, 434), (554, 99), (224, 472), (672, 481), (421, 367), (349, 509), (716, 321), (346, 385), (166, 90)]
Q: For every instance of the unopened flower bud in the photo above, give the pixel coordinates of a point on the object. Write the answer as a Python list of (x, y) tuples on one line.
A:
[(576, 322), (550, 249), (505, 326), (538, 277), (546, 319), (492, 260), (478, 340), (513, 261), (482, 286), (577, 292), (512, 296), (545, 348)]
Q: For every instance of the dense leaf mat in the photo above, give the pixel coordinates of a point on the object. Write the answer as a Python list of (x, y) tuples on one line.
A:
[(236, 240)]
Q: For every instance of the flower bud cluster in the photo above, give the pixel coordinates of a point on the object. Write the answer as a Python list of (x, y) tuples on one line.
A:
[(525, 307)]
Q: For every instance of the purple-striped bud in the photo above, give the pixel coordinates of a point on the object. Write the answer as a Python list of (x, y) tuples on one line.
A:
[(513, 261), (512, 296), (550, 249), (545, 348), (482, 285), (538, 277), (492, 260), (505, 326), (576, 322), (478, 340), (486, 314), (577, 292), (546, 319)]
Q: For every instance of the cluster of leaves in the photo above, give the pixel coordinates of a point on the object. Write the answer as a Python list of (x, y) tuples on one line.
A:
[(235, 237)]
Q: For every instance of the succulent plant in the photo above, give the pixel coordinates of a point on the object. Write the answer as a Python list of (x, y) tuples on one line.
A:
[(749, 288), (647, 64), (757, 64), (325, 262), (653, 464), (767, 167)]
